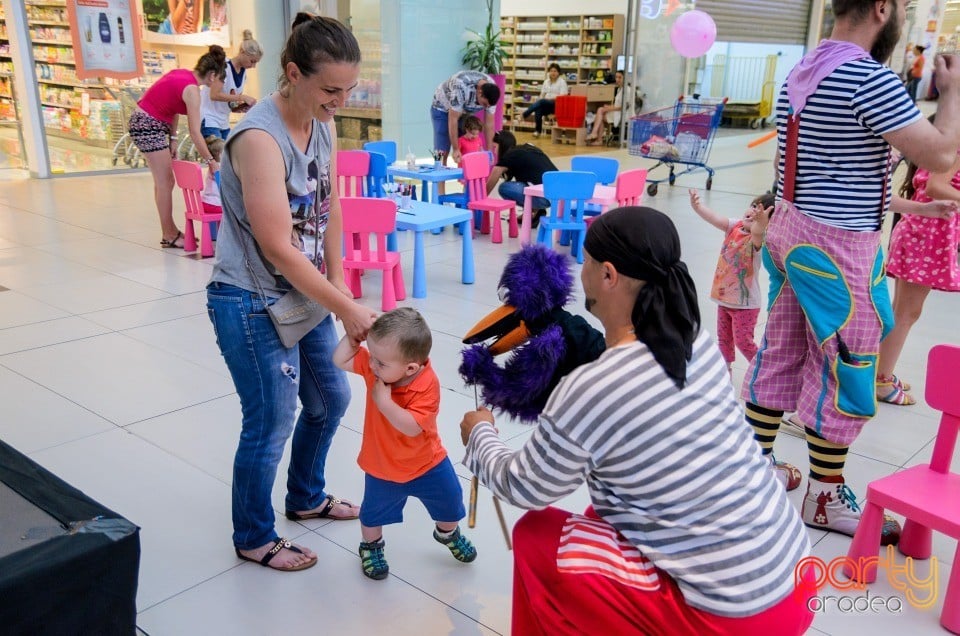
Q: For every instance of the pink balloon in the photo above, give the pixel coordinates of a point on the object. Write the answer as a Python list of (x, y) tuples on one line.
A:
[(693, 33)]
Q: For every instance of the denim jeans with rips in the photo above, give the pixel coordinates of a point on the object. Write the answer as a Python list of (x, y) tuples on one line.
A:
[(269, 378)]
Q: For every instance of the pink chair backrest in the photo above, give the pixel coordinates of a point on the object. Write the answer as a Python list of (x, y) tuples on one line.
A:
[(365, 217), (943, 381), (189, 177), (476, 169), (630, 185), (353, 166)]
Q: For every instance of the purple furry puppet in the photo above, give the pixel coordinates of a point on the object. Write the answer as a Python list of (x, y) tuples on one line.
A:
[(547, 342)]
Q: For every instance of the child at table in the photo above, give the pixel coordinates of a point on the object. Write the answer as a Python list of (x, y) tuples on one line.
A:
[(736, 288), (470, 141), (401, 452), (210, 197)]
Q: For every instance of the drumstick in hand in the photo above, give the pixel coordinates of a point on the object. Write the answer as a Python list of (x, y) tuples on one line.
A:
[(472, 514)]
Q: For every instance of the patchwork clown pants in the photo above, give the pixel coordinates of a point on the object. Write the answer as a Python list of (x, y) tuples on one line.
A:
[(828, 308)]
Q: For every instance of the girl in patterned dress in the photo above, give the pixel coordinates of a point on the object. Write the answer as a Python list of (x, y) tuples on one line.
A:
[(922, 256)]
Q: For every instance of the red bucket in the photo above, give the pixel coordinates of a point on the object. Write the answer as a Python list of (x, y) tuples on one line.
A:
[(570, 110)]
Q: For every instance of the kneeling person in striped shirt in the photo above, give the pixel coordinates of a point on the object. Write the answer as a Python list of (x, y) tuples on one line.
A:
[(689, 531)]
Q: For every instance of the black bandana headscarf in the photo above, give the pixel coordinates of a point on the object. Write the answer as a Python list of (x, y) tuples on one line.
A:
[(642, 243)]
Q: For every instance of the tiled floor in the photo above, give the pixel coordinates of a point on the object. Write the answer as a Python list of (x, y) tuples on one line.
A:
[(110, 378)]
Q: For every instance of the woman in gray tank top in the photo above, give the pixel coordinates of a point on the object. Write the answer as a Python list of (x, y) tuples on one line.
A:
[(281, 222)]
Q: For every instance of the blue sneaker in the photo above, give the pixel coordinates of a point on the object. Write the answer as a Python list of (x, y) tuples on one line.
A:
[(460, 547)]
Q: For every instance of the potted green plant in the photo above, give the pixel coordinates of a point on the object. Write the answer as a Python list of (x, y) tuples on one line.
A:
[(485, 53)]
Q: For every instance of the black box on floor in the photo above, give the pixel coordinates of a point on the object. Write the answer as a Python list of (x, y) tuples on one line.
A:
[(68, 565)]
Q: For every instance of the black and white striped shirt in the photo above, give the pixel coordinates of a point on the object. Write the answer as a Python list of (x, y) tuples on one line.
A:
[(677, 472), (842, 157)]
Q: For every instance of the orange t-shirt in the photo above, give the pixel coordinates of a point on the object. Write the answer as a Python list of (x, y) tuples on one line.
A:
[(385, 452)]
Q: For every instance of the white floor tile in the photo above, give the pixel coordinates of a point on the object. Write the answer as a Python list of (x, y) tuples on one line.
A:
[(81, 257), (35, 417), (118, 377)]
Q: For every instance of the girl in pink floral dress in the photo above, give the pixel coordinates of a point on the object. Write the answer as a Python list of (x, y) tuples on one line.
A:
[(922, 256)]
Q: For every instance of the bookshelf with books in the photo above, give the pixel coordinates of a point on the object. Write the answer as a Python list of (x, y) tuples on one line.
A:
[(582, 45)]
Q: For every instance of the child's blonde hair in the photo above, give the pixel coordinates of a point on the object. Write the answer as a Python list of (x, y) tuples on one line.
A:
[(409, 329), (215, 146)]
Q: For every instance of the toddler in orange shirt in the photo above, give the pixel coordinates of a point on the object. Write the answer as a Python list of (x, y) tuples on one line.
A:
[(401, 452)]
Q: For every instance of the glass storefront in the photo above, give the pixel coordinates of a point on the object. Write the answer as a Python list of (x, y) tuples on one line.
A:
[(11, 137), (83, 116)]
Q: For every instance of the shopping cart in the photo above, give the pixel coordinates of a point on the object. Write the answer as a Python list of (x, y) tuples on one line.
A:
[(125, 150), (682, 133)]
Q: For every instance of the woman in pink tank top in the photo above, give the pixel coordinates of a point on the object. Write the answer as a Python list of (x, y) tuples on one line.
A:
[(153, 128)]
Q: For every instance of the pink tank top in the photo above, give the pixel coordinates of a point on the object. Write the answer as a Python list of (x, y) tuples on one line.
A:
[(164, 99)]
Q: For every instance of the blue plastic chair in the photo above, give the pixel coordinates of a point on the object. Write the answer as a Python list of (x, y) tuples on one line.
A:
[(568, 193), (386, 148), (377, 175), (606, 168)]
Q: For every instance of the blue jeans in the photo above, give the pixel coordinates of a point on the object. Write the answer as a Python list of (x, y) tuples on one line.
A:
[(540, 109), (269, 378), (513, 190)]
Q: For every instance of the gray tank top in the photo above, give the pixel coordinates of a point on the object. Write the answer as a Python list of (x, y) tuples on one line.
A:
[(308, 195)]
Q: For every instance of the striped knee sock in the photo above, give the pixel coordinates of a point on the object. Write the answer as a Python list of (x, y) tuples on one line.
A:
[(826, 458), (765, 423)]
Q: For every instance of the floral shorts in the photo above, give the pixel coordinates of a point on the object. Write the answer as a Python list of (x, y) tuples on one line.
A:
[(148, 133)]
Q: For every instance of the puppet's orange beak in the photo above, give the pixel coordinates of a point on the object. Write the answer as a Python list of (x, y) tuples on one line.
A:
[(504, 326)]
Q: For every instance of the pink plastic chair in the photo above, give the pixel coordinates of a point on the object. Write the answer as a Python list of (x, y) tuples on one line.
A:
[(365, 219), (353, 166), (189, 177), (630, 185), (629, 191), (476, 169), (927, 495)]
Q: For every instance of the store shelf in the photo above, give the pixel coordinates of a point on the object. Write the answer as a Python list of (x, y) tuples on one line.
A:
[(64, 134), (54, 42), (60, 62), (76, 84), (581, 45), (66, 25), (366, 113), (56, 105)]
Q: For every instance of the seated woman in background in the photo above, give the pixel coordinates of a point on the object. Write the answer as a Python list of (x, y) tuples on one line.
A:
[(553, 87), (609, 113)]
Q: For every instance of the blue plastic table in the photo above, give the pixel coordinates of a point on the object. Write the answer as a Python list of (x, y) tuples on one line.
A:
[(428, 175), (422, 217)]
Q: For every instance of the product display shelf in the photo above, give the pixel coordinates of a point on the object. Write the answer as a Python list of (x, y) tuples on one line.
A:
[(360, 119), (72, 109), (581, 45)]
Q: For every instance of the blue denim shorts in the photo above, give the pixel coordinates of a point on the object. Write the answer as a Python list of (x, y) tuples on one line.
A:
[(438, 489)]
